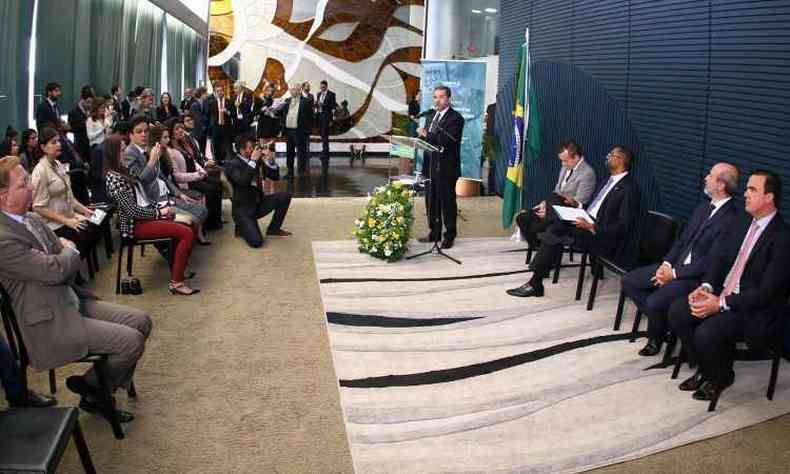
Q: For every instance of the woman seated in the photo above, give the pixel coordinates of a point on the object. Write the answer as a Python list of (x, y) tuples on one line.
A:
[(149, 221), (29, 153), (166, 109), (54, 200), (99, 122), (189, 174)]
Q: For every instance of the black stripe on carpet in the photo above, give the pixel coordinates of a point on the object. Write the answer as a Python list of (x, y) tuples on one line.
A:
[(474, 370), (465, 277), (346, 319)]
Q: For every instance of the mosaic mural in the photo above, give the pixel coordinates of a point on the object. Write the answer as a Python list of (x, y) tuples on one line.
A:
[(368, 50)]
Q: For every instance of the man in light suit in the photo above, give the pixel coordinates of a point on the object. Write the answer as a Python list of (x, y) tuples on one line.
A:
[(61, 322), (577, 181), (655, 287)]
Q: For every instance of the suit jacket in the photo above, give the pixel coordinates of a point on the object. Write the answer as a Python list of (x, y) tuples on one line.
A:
[(580, 185), (46, 113), (213, 113), (449, 139), (707, 231), (197, 110), (765, 280), (617, 218), (137, 164), (126, 108), (305, 119), (77, 122), (327, 110), (246, 196), (244, 110), (39, 283)]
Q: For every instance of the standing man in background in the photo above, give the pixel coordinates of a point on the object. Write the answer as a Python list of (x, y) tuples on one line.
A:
[(324, 110), (297, 121)]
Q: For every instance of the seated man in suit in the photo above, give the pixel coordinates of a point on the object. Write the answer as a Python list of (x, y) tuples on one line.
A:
[(246, 173), (655, 287), (60, 321), (576, 181), (614, 208), (743, 294), (10, 379)]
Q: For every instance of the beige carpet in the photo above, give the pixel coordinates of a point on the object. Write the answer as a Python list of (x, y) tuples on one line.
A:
[(240, 378)]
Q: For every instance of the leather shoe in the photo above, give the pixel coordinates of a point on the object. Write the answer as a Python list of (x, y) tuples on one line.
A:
[(426, 240), (92, 406), (35, 400), (447, 243), (708, 391), (692, 383), (525, 290), (652, 348)]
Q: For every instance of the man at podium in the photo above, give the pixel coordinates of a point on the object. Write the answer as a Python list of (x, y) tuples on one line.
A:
[(443, 167)]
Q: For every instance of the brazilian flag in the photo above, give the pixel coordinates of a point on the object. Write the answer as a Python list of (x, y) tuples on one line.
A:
[(526, 138)]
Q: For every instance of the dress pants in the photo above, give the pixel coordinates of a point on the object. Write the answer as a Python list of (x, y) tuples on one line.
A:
[(118, 331), (653, 300), (9, 375), (211, 188), (85, 239), (221, 141), (247, 225), (324, 130), (531, 225), (709, 342), (442, 208), (183, 239), (297, 143), (550, 251)]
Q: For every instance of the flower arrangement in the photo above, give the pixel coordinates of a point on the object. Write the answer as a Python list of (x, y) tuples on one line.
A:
[(383, 229)]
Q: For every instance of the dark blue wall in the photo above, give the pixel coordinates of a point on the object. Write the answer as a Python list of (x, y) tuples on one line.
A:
[(686, 83)]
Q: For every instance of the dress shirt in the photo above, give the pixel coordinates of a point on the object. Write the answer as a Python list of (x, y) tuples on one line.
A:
[(570, 173), (593, 211), (292, 119)]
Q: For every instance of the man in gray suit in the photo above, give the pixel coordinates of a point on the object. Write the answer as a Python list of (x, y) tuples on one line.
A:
[(61, 322), (576, 181)]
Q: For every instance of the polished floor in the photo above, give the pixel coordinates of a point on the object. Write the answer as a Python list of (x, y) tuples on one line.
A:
[(342, 179)]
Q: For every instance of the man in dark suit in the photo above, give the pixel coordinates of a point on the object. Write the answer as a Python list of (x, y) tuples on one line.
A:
[(197, 109), (325, 106), (243, 107), (443, 167), (78, 117), (222, 119), (297, 121), (743, 294), (615, 209), (186, 102), (48, 111), (246, 173), (655, 287)]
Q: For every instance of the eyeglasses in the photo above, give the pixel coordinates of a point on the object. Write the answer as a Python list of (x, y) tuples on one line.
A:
[(614, 155)]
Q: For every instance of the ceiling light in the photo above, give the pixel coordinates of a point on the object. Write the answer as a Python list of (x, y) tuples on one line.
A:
[(490, 10), (476, 12)]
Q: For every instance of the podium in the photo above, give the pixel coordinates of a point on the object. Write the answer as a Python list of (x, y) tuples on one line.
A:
[(406, 147)]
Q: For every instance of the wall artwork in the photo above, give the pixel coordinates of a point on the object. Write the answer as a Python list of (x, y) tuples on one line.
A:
[(368, 50)]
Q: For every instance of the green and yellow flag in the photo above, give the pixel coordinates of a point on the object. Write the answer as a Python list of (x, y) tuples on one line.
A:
[(526, 137)]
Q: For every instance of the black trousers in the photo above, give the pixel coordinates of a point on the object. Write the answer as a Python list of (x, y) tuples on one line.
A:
[(709, 342), (85, 239), (442, 207), (530, 226), (550, 251), (298, 141), (324, 130), (247, 225), (211, 187), (221, 141), (653, 300)]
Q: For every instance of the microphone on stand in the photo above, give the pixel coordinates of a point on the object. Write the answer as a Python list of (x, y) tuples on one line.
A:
[(427, 112)]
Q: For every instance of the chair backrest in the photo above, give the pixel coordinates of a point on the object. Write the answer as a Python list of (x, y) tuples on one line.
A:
[(658, 235), (13, 334)]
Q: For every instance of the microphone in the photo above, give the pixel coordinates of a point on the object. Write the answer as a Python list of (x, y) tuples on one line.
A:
[(427, 112)]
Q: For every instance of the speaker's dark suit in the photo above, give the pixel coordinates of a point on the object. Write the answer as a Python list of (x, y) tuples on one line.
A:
[(249, 201), (614, 223), (702, 231), (326, 110), (756, 308), (47, 114), (443, 168), (298, 139), (222, 134)]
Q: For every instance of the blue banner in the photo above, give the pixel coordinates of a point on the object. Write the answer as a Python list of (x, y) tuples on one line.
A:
[(467, 80)]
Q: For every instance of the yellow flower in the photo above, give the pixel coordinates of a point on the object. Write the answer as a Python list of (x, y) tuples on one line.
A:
[(400, 220), (371, 222), (382, 238)]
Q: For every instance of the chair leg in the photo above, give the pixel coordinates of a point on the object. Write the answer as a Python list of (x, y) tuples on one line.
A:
[(118, 274), (95, 259), (570, 254), (109, 407), (142, 250), (618, 317), (91, 268), (714, 401), (53, 385), (635, 329), (594, 287), (580, 283), (82, 449), (681, 358), (774, 372), (130, 260), (108, 247), (529, 255), (556, 277)]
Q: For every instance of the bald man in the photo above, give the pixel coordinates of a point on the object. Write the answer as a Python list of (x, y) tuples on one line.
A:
[(655, 287)]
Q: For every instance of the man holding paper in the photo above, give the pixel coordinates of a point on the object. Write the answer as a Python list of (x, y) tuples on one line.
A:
[(576, 181), (613, 211)]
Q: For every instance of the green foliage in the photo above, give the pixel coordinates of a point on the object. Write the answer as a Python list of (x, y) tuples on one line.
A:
[(383, 229)]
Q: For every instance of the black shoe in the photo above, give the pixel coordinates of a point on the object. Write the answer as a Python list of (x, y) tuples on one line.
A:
[(92, 406), (525, 290), (426, 240), (35, 400), (692, 383), (652, 348), (709, 390), (80, 386), (135, 288), (447, 243)]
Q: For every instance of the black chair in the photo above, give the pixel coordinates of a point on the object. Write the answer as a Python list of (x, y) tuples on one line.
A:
[(99, 361), (658, 235), (34, 439), (775, 352), (128, 245)]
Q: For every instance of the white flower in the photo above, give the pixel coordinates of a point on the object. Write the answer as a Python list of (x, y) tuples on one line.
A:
[(387, 252)]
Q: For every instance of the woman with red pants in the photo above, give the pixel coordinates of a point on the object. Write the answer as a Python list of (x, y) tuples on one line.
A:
[(146, 221)]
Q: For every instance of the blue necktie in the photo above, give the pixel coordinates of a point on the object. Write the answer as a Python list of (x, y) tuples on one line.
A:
[(601, 193)]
